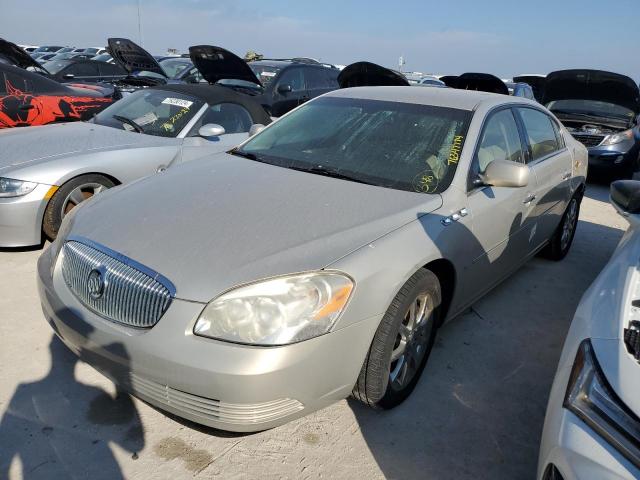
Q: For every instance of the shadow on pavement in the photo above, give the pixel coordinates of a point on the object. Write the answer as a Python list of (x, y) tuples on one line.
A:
[(58, 427), (483, 395)]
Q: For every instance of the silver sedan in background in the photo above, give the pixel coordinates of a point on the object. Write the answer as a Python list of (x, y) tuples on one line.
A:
[(317, 259), (47, 171)]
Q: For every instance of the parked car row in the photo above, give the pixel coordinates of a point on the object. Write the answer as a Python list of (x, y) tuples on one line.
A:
[(206, 258)]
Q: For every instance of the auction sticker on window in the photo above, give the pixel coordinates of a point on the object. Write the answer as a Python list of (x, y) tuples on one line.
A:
[(178, 102)]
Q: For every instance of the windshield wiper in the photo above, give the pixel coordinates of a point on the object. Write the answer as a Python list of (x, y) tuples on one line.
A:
[(331, 172), (243, 154), (128, 121)]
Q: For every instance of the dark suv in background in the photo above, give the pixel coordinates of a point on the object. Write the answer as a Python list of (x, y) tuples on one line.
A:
[(287, 83)]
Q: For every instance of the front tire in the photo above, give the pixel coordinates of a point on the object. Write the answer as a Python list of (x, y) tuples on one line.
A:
[(561, 241), (402, 343), (69, 196)]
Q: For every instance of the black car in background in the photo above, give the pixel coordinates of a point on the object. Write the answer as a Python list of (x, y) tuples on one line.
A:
[(287, 83), (91, 71), (600, 109), (278, 85)]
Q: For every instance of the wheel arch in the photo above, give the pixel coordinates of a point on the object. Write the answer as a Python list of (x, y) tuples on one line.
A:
[(61, 183), (445, 271)]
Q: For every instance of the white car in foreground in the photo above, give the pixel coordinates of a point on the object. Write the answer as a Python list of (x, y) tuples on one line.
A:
[(592, 427)]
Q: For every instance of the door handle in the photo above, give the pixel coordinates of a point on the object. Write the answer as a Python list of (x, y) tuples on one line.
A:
[(566, 176), (529, 198)]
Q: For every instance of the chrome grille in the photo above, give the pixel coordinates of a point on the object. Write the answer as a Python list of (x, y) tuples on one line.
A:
[(114, 286), (588, 140)]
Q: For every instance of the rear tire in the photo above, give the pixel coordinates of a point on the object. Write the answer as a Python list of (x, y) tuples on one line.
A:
[(402, 343), (561, 241), (70, 195)]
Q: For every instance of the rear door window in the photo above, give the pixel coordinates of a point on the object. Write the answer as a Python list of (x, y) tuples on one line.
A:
[(540, 133)]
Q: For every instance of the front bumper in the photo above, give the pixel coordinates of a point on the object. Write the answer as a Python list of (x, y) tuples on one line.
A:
[(21, 218), (222, 385), (619, 159)]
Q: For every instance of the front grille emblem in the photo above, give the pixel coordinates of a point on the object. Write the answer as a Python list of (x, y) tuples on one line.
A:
[(96, 282)]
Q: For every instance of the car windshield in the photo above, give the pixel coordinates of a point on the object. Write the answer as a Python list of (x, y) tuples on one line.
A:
[(390, 144), (154, 112), (173, 66), (54, 66), (265, 73), (590, 107)]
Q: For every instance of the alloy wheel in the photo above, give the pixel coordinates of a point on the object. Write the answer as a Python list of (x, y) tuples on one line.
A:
[(412, 342), (79, 195), (569, 224)]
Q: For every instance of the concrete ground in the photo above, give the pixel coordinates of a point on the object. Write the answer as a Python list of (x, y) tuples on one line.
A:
[(476, 413)]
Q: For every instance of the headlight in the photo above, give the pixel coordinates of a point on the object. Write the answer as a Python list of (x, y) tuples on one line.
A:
[(15, 188), (590, 397), (277, 311), (618, 137)]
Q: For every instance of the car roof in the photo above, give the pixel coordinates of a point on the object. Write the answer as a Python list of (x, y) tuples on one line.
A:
[(439, 97)]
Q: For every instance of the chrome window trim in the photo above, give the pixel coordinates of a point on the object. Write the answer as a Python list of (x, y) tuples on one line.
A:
[(164, 281)]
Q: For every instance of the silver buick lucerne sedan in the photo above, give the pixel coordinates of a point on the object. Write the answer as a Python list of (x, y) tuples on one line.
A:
[(317, 259)]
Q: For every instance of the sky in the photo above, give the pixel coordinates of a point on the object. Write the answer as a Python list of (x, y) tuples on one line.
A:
[(442, 37)]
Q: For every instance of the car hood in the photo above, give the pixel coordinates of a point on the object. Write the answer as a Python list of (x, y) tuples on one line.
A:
[(18, 56), (592, 85), (482, 82), (367, 74), (23, 147), (210, 224), (132, 57), (216, 63)]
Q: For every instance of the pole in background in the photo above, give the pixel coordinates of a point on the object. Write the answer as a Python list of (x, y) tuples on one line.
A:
[(140, 26)]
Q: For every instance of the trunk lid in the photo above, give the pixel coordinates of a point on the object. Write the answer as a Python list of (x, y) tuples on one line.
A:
[(132, 57), (216, 63), (366, 74)]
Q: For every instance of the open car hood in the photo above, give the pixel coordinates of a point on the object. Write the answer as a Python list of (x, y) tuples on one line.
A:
[(366, 74), (536, 82), (216, 63), (595, 85), (18, 56), (132, 57), (482, 82)]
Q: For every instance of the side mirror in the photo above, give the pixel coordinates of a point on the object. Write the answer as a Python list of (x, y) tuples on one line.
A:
[(211, 130), (504, 173), (284, 88), (256, 128), (625, 196), (68, 76)]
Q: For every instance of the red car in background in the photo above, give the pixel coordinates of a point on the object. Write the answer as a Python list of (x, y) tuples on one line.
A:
[(31, 98)]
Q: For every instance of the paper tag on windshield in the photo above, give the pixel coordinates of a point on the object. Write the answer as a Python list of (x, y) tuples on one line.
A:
[(267, 74), (178, 102), (146, 119)]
